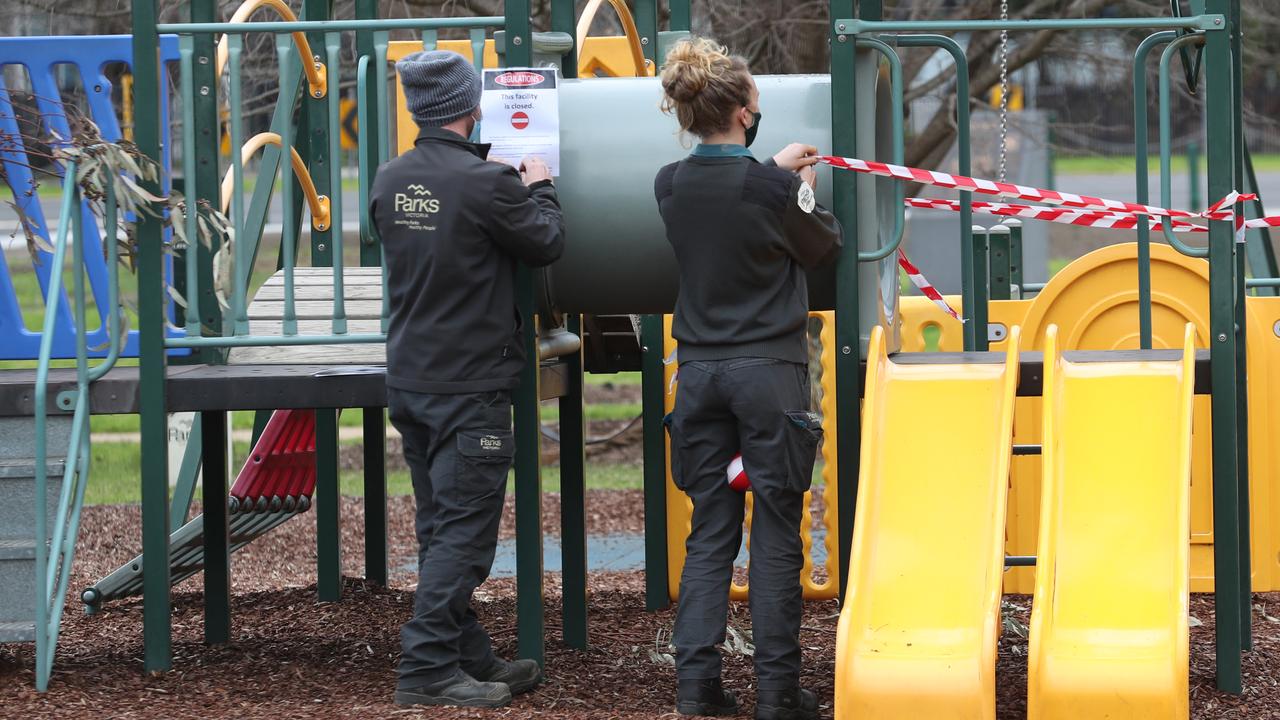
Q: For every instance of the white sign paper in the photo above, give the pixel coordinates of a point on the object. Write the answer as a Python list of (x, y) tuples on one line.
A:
[(520, 111)]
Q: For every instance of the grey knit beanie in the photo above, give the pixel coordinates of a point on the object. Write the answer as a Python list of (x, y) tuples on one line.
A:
[(440, 86)]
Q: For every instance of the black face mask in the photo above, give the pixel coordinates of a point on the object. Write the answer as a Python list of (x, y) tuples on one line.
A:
[(755, 126)]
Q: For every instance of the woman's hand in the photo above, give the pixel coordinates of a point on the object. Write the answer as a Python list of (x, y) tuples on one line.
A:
[(809, 176), (796, 156)]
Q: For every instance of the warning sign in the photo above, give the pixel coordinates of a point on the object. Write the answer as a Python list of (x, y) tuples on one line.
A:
[(520, 114), (350, 130)]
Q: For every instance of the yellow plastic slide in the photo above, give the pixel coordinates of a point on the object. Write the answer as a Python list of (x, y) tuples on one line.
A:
[(936, 443), (1109, 628)]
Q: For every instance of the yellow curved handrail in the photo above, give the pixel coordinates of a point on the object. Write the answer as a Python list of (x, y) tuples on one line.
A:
[(317, 74), (628, 27), (317, 203)]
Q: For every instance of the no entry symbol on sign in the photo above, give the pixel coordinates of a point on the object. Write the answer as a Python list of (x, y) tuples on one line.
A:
[(520, 121)]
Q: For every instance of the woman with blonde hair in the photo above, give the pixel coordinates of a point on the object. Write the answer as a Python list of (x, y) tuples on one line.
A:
[(744, 233)]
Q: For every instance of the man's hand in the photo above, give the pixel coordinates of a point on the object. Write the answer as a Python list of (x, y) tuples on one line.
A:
[(809, 176), (796, 156), (534, 170)]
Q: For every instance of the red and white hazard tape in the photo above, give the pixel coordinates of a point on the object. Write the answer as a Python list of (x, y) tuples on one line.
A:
[(1023, 192), (1082, 210), (1067, 216), (922, 284)]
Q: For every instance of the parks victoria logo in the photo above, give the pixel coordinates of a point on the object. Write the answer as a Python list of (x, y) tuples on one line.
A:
[(417, 200)]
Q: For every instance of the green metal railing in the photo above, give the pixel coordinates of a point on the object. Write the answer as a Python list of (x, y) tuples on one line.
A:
[(245, 247), (973, 304), (55, 551), (1166, 151), (899, 199)]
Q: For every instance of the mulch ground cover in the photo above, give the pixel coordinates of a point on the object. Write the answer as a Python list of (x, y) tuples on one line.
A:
[(293, 657)]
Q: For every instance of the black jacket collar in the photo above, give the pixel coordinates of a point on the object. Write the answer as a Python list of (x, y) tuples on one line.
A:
[(448, 137)]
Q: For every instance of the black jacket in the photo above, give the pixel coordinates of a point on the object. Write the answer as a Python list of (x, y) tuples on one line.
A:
[(743, 238), (453, 226)]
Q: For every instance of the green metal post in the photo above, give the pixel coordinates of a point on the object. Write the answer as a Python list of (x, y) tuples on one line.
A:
[(316, 113), (681, 18), (1242, 329), (646, 16), (328, 511), (1193, 176), (981, 291), (653, 389), (156, 629), (1015, 253), (370, 247), (375, 422), (530, 620), (844, 189), (563, 20), (1051, 158), (207, 173), (375, 495), (1141, 180), (999, 242), (217, 557), (573, 512), (1223, 337)]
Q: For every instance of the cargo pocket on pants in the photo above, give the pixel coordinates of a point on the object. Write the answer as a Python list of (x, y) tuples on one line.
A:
[(804, 432), (484, 458), (673, 451)]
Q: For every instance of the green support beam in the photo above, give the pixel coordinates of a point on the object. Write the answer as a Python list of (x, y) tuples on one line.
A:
[(152, 300), (646, 16), (217, 556), (998, 240), (207, 179), (844, 191), (1238, 154), (657, 593), (1223, 338), (681, 17), (375, 422), (371, 247), (327, 508), (563, 19), (573, 508), (375, 495), (530, 610), (316, 112)]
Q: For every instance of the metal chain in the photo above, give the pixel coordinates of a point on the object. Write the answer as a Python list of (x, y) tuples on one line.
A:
[(1004, 93)]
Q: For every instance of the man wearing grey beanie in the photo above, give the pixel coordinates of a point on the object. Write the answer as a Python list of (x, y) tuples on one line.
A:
[(453, 226)]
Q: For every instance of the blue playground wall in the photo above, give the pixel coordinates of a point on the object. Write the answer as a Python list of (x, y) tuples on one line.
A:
[(89, 54)]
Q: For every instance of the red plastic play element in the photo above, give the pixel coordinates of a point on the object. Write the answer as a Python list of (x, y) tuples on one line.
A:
[(283, 462)]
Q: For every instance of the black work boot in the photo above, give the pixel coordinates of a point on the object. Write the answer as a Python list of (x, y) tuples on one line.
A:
[(793, 704), (461, 690), (704, 697), (519, 675)]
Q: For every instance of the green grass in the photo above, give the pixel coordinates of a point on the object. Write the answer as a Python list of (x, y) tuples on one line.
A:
[(114, 473), (1124, 165)]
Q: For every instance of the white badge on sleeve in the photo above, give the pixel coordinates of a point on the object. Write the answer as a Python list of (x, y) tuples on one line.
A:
[(805, 198)]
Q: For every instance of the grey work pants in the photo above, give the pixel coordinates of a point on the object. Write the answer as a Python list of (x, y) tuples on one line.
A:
[(459, 449), (759, 407)]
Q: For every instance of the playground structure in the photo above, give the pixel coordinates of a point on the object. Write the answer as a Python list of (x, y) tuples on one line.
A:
[(1116, 308)]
